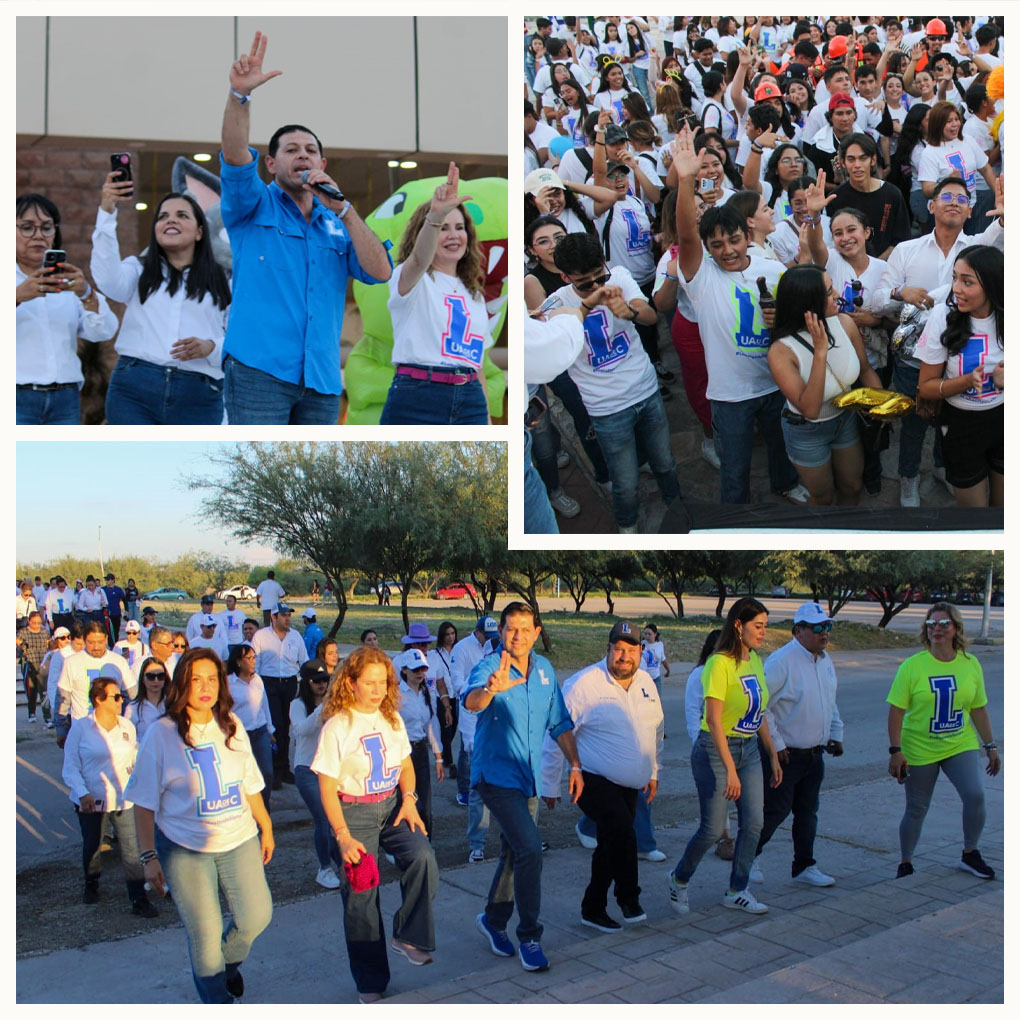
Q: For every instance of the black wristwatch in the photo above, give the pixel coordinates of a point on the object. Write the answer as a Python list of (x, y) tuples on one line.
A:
[(895, 750)]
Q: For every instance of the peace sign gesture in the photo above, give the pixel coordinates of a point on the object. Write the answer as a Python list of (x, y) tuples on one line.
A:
[(246, 72), (445, 199)]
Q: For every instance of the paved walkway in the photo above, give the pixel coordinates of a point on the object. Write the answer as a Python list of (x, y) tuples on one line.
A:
[(936, 936)]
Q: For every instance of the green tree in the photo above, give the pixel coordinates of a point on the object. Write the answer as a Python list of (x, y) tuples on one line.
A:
[(896, 576), (524, 574), (675, 571), (579, 571), (833, 577), (617, 570)]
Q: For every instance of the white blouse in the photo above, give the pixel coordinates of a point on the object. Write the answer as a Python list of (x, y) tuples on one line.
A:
[(250, 703), (99, 761)]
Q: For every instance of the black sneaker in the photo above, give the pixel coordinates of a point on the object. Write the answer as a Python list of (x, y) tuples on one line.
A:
[(905, 868), (600, 921), (235, 985), (633, 912), (91, 893), (971, 861), (545, 846), (873, 486), (664, 373), (144, 908)]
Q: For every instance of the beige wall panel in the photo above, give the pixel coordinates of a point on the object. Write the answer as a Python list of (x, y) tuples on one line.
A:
[(462, 64), (31, 75), (351, 80), (159, 78)]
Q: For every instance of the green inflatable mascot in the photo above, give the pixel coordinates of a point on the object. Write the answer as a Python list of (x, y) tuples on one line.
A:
[(369, 368)]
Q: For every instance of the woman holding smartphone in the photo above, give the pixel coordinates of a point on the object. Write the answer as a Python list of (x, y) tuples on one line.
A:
[(937, 710), (54, 306), (177, 296)]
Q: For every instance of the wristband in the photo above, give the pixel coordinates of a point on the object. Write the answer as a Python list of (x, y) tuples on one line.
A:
[(87, 294), (431, 224), (240, 96), (756, 149), (147, 855), (589, 310), (990, 746), (576, 768), (600, 143), (341, 215), (814, 219), (675, 279), (895, 750), (942, 382), (336, 832), (411, 793)]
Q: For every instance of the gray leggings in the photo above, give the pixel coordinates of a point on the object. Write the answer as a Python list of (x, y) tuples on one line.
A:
[(963, 771)]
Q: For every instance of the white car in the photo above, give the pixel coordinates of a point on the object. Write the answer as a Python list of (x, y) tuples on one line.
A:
[(242, 592)]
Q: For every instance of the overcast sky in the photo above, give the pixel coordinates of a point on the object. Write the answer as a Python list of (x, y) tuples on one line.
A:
[(135, 491)]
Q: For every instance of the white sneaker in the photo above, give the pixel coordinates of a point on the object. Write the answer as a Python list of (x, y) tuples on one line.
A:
[(562, 459), (651, 855), (631, 529), (31, 718), (909, 491), (677, 895), (563, 504), (755, 875), (744, 901), (798, 494), (812, 876), (327, 878), (939, 474), (588, 842), (646, 469), (708, 452), (476, 857)]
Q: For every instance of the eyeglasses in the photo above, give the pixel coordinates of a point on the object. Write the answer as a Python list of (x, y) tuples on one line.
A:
[(44, 229), (546, 242), (938, 624), (586, 286), (948, 197), (821, 628), (155, 676), (791, 161)]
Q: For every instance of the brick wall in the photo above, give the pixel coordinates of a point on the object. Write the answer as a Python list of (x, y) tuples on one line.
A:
[(72, 178)]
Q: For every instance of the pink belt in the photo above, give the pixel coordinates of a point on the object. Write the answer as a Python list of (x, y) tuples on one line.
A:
[(371, 798), (436, 375)]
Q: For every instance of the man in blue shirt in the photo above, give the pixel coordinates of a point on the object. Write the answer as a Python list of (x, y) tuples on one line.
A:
[(115, 599), (313, 632), (293, 249), (516, 699)]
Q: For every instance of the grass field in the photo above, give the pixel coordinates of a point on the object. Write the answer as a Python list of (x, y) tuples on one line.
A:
[(577, 639)]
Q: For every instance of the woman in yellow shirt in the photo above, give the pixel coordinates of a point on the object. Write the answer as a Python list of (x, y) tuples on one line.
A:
[(936, 696), (725, 760)]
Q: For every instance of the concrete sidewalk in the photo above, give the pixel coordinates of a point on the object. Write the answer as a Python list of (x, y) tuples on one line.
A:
[(936, 936)]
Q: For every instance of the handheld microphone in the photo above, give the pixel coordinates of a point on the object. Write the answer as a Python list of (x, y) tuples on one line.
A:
[(326, 189)]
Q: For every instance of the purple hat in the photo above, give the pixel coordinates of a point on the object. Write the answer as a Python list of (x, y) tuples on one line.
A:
[(416, 634)]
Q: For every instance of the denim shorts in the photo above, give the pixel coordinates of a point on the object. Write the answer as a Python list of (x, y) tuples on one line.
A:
[(810, 445)]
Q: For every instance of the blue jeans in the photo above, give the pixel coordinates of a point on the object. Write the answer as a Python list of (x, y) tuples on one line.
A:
[(518, 877), (566, 389), (195, 880), (307, 783), (478, 820), (733, 429), (912, 428), (372, 824), (539, 517), (253, 397), (141, 393), (642, 825), (262, 748), (421, 402), (639, 432), (92, 824), (641, 81), (54, 407), (710, 779)]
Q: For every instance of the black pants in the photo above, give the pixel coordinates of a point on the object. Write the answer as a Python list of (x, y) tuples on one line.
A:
[(35, 690), (422, 762), (63, 620), (114, 629), (611, 808), (447, 733), (280, 693), (798, 792), (91, 825)]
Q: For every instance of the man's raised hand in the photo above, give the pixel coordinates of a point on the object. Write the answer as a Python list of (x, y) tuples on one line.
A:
[(246, 72)]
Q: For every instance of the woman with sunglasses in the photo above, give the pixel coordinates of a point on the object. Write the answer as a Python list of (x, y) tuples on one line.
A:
[(305, 727), (53, 309), (367, 786), (937, 711), (961, 355), (725, 759), (149, 704), (181, 642), (98, 759), (202, 826)]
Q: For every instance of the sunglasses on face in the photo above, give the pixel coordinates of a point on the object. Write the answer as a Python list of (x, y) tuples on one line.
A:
[(114, 697), (948, 197), (155, 676), (180, 647), (586, 286), (938, 624), (821, 628)]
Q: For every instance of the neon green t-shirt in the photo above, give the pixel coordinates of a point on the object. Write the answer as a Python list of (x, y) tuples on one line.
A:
[(741, 688), (938, 698)]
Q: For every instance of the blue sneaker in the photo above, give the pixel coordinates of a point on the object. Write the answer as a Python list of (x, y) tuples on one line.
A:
[(532, 957), (499, 941), (463, 798)]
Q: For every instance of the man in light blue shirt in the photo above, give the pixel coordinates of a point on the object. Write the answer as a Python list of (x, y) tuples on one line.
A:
[(517, 700), (294, 247), (313, 632)]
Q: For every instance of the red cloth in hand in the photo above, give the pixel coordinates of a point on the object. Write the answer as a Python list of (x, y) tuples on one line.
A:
[(363, 875)]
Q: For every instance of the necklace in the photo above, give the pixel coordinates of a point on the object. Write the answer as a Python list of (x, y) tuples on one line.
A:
[(201, 727)]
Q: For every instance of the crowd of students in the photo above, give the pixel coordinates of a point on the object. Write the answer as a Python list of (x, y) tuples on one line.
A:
[(805, 206)]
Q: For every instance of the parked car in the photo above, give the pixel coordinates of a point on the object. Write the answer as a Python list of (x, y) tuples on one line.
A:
[(780, 592), (241, 592), (938, 595), (997, 598), (969, 598), (456, 591), (167, 595)]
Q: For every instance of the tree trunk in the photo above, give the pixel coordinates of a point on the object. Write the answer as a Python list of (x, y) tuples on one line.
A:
[(609, 601)]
